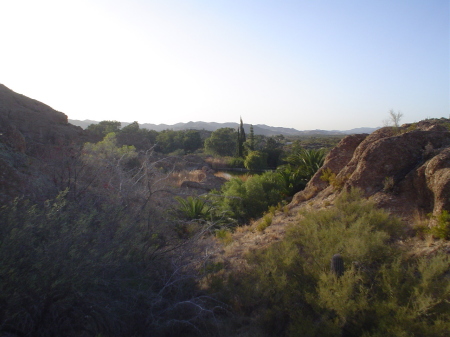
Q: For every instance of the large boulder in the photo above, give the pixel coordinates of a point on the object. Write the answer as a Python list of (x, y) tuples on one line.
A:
[(406, 170)]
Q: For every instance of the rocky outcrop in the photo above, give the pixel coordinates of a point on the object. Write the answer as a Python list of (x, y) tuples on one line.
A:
[(29, 126), (406, 170), (31, 135)]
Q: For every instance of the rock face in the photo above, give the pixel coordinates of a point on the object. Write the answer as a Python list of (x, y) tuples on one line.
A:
[(406, 170), (28, 126), (30, 133)]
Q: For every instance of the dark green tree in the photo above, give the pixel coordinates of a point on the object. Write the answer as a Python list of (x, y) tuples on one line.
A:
[(168, 141), (132, 134), (192, 141), (274, 151), (250, 143), (131, 128), (103, 128), (222, 142), (256, 160), (240, 140)]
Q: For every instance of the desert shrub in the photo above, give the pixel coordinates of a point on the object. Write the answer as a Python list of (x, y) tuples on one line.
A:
[(334, 180), (327, 175), (265, 222), (442, 228), (224, 235), (68, 270), (290, 290), (244, 200)]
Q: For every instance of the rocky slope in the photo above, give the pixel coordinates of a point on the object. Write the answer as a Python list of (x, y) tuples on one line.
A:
[(28, 125), (30, 132), (406, 170)]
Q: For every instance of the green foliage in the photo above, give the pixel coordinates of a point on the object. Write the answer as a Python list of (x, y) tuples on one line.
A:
[(168, 141), (192, 141), (108, 152), (235, 162), (292, 180), (308, 162), (328, 175), (131, 128), (240, 140), (104, 127), (273, 149), (183, 142), (250, 144), (265, 222), (249, 199), (98, 259), (338, 181), (442, 228), (256, 160), (192, 208), (71, 270), (132, 134), (302, 165), (290, 290), (224, 235), (222, 142)]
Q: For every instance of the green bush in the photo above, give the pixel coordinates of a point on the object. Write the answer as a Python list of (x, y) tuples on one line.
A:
[(290, 290), (265, 222), (236, 162), (292, 180), (222, 142), (250, 199), (256, 160), (442, 228), (193, 208), (308, 162)]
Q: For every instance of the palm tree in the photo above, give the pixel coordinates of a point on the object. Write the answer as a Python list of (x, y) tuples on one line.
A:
[(307, 162)]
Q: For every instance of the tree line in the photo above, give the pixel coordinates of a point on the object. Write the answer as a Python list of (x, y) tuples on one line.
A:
[(254, 152)]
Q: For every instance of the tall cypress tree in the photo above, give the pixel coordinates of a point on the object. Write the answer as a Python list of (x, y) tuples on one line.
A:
[(251, 144), (240, 140)]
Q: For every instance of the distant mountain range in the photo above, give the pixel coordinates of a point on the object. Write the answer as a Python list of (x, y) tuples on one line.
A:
[(259, 129)]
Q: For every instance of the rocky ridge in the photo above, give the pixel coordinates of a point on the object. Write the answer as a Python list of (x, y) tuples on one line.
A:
[(30, 132), (405, 170), (28, 125)]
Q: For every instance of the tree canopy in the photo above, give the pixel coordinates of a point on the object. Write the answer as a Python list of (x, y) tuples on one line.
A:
[(222, 142)]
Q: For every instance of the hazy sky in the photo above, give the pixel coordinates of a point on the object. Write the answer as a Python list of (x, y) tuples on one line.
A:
[(331, 64)]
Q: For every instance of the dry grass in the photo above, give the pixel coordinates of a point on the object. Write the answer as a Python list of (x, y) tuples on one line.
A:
[(252, 236), (217, 162), (176, 178), (224, 175), (424, 246)]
